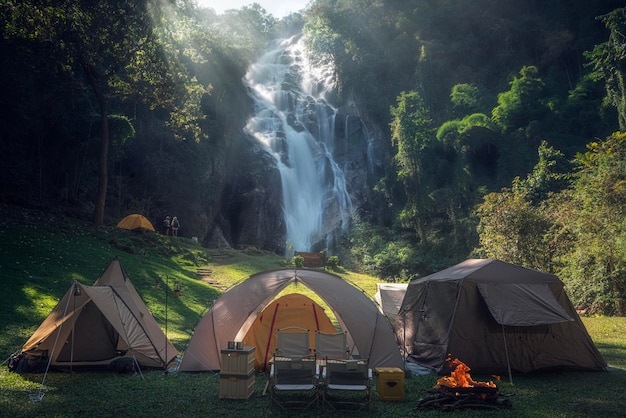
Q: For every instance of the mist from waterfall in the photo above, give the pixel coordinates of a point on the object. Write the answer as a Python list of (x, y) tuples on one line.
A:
[(295, 123)]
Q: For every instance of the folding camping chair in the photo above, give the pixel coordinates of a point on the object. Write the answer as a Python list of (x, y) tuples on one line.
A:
[(293, 341), (331, 346), (347, 384), (294, 382)]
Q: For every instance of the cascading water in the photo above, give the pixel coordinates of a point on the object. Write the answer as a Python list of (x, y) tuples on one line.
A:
[(293, 120)]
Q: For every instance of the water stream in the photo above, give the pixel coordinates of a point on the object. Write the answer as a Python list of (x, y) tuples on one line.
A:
[(296, 124)]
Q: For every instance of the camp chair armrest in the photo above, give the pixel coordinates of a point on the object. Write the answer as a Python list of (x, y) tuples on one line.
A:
[(350, 388), (294, 387)]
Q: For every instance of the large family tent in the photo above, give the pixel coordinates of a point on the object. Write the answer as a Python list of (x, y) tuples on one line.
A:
[(291, 310), (369, 333), (136, 222), (495, 317), (95, 326)]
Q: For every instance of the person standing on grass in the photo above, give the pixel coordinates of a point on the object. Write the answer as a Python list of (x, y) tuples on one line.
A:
[(167, 225), (175, 226)]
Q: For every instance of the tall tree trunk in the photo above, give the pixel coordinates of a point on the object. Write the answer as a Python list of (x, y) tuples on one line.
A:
[(103, 175), (103, 172)]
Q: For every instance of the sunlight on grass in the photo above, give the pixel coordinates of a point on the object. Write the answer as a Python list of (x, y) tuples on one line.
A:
[(608, 334), (40, 304)]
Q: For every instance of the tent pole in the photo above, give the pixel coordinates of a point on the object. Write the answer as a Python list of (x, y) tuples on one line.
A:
[(40, 394), (506, 350), (167, 285), (73, 330), (124, 325), (137, 364), (404, 338)]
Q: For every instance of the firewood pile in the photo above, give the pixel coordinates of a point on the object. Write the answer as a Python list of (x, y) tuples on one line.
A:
[(449, 400), (459, 390)]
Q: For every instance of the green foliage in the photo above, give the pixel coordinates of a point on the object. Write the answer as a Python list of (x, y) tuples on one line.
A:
[(449, 131), (297, 261), (121, 129), (609, 62), (411, 129), (333, 262), (513, 230), (466, 99), (576, 231), (550, 175), (599, 195), (522, 103)]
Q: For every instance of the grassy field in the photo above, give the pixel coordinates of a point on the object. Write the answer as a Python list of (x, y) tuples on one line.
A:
[(41, 254)]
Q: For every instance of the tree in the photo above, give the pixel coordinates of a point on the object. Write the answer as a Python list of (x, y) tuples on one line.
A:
[(466, 99), (599, 194), (513, 230), (522, 224), (550, 175), (114, 45), (522, 103), (609, 62), (411, 133)]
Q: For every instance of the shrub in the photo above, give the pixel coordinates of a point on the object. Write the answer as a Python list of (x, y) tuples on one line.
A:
[(297, 260), (332, 262)]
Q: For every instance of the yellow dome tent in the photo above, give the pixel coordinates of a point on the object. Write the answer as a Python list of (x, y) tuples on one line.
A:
[(136, 221), (292, 310)]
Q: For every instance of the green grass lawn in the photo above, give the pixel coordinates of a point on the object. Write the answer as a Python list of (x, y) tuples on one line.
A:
[(39, 260)]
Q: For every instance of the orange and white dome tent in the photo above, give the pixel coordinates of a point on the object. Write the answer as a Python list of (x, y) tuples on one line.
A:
[(369, 333), (136, 221)]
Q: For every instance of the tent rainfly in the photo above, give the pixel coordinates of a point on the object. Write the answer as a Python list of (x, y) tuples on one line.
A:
[(292, 310), (94, 326), (136, 222), (370, 334), (495, 317)]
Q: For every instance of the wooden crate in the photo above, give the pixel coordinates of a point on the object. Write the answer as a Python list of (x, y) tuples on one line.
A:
[(237, 362), (236, 386)]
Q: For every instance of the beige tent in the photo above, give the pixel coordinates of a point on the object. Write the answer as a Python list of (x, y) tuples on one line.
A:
[(134, 222), (292, 310), (495, 317), (369, 333), (96, 325)]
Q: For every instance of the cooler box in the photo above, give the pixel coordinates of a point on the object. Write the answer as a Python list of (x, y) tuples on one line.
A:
[(237, 362), (236, 386), (390, 383)]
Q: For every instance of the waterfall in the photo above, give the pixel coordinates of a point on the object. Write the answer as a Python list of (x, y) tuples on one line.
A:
[(293, 120)]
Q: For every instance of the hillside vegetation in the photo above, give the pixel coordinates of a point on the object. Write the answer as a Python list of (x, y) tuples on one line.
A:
[(41, 254)]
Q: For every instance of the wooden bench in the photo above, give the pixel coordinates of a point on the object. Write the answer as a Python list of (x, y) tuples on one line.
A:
[(311, 259)]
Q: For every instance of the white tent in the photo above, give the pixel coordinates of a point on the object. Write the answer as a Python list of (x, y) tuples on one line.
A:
[(389, 297)]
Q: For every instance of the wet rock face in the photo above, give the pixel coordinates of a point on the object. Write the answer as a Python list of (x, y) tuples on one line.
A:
[(251, 211)]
